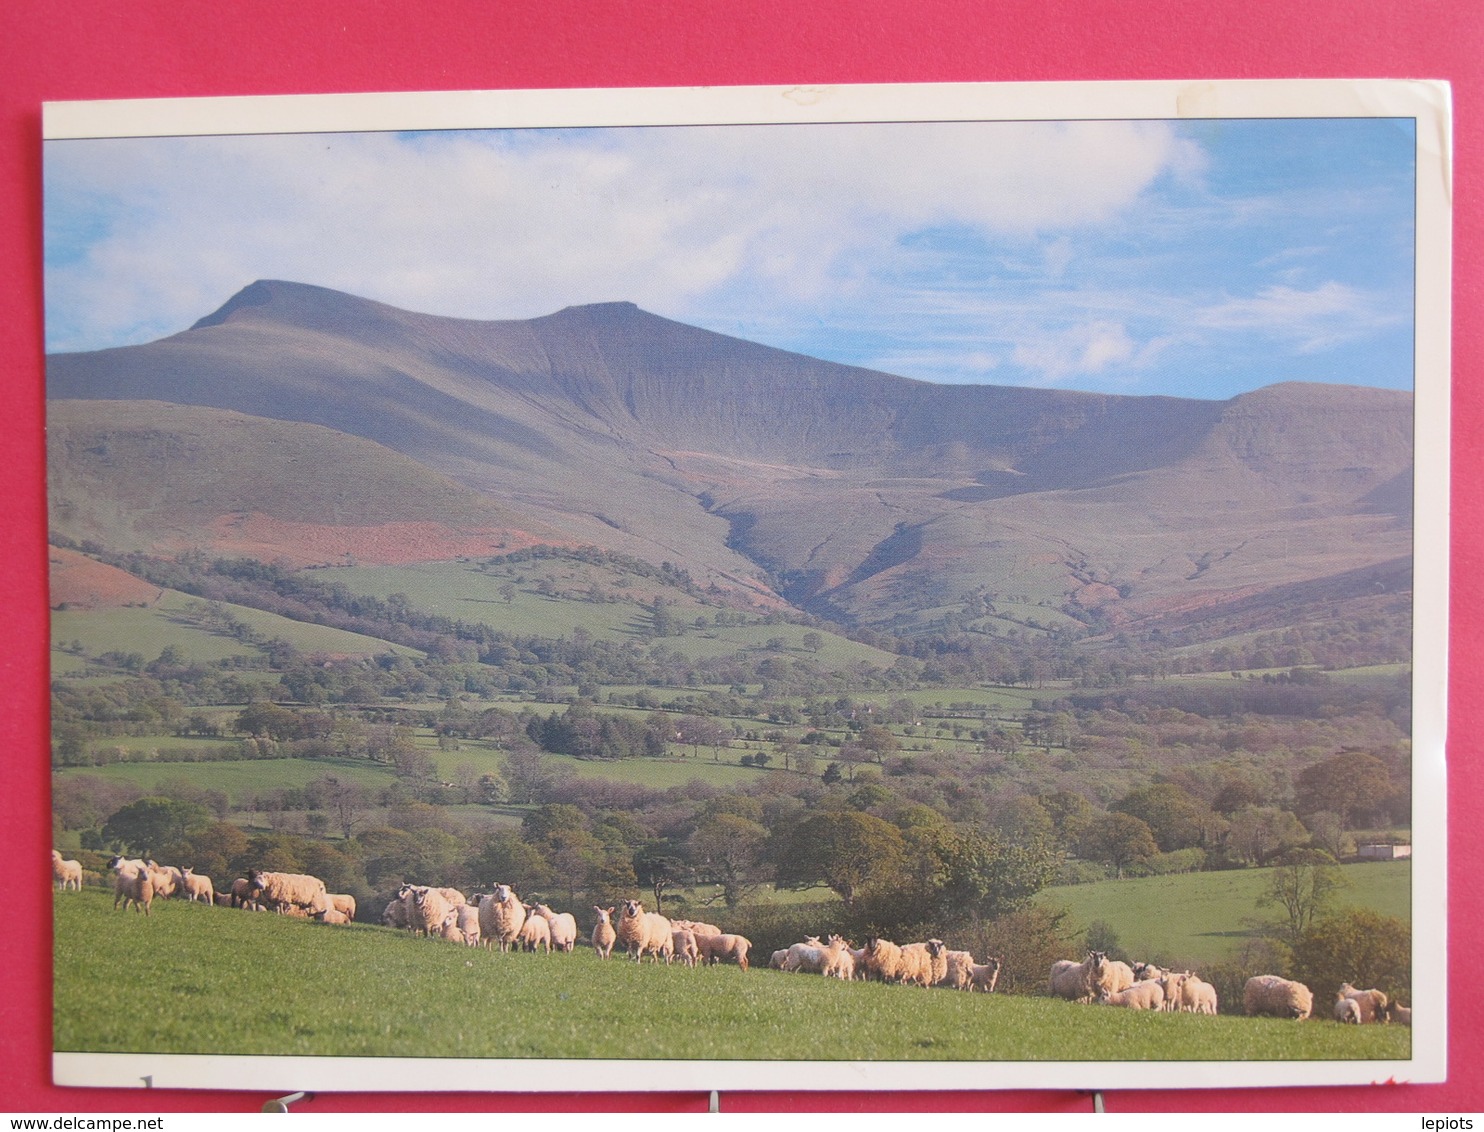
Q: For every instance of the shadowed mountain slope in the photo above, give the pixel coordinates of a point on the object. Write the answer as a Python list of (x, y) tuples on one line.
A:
[(852, 491)]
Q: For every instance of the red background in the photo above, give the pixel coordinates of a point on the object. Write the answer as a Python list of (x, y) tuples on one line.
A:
[(86, 49)]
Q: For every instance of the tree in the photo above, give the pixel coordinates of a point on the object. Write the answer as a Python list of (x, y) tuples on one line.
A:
[(845, 850), (1358, 946), (1353, 784), (149, 824), (1303, 886), (1120, 840), (1257, 832), (659, 866), (345, 801), (727, 849), (1176, 820)]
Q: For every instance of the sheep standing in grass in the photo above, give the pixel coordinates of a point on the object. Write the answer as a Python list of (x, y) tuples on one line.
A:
[(197, 888), (1077, 981), (1197, 996), (395, 913), (563, 927), (604, 934), (723, 948), (1277, 996), (1401, 1015), (168, 880), (1172, 983), (643, 932), (960, 968), (501, 916), (67, 874), (244, 895), (695, 927), (839, 960), (883, 960), (344, 903), (466, 919), (924, 964), (285, 891), (684, 946), (535, 933), (1347, 1010), (1148, 995), (124, 872), (807, 956), (132, 884), (1372, 1004), (984, 976), (1114, 976), (426, 911)]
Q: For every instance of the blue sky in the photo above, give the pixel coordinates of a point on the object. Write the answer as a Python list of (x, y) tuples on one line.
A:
[(1195, 259)]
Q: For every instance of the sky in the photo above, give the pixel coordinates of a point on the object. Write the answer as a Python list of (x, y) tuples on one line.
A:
[(1192, 259)]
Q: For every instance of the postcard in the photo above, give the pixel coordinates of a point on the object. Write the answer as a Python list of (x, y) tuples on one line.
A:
[(792, 588)]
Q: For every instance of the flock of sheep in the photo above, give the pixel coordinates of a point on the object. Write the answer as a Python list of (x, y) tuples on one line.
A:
[(1142, 986), (500, 919)]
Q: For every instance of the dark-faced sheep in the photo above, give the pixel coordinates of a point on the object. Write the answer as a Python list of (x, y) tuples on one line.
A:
[(1277, 996), (643, 933)]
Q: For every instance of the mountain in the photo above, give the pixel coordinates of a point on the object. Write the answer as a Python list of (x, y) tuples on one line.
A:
[(769, 474)]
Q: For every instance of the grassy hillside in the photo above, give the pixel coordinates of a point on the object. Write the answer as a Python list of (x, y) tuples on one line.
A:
[(1204, 917), (244, 983), (177, 620)]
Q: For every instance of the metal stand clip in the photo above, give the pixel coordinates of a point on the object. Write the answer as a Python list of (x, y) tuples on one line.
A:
[(282, 1103)]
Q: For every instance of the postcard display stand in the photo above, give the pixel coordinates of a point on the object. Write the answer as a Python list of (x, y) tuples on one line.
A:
[(1424, 106)]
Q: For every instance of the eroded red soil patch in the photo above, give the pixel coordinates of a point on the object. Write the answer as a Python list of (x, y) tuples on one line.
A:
[(78, 582)]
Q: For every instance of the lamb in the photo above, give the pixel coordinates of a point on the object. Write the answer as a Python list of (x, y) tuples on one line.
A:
[(466, 919), (563, 928), (426, 910), (1077, 981), (1401, 1015), (960, 966), (535, 933), (984, 976), (332, 916), (67, 874), (1148, 995), (123, 878), (604, 935), (1196, 995), (168, 880), (776, 962), (501, 916), (924, 964), (344, 903), (1144, 971), (839, 960), (685, 947), (1347, 1010), (1172, 983), (1372, 1003), (719, 948), (640, 931), (883, 960), (1275, 995), (285, 891), (807, 956), (243, 894), (197, 888), (133, 884)]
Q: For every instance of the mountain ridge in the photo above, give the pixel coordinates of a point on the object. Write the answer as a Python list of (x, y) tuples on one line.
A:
[(852, 492)]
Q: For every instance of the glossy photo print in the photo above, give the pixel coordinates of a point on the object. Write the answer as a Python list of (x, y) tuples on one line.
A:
[(817, 588)]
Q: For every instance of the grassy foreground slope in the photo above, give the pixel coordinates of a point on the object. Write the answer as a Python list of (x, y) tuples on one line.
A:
[(228, 982)]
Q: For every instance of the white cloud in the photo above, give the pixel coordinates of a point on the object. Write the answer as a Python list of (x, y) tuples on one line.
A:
[(1313, 320), (148, 235)]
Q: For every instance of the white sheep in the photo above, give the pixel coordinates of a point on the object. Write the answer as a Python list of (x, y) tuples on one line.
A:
[(924, 964), (344, 903), (696, 927), (501, 916), (1347, 1010), (778, 958), (684, 947), (721, 948), (1173, 985), (1401, 1015), (67, 874), (960, 970), (1277, 996), (807, 956), (466, 917), (291, 893), (604, 934), (643, 932), (1148, 995), (535, 933), (984, 976), (839, 960), (332, 916), (426, 910), (1372, 1004), (1197, 996), (563, 927), (168, 880), (882, 960), (133, 884), (1077, 981), (197, 888), (1112, 976)]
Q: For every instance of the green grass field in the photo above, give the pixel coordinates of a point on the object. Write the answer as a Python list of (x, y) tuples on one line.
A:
[(1197, 918), (240, 780), (169, 622), (227, 982)]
